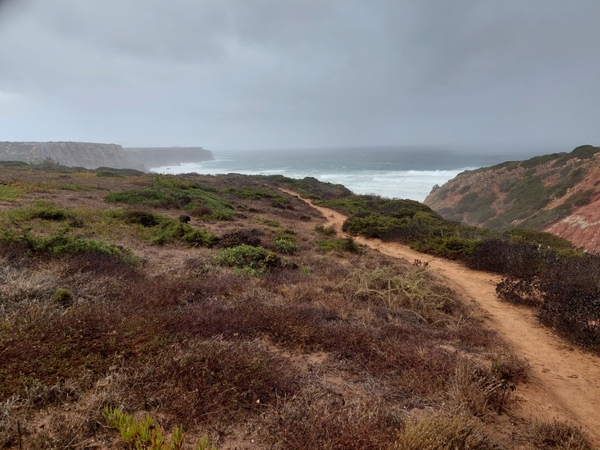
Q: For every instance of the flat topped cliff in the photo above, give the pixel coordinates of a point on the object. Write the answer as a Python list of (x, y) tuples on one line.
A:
[(558, 193), (74, 154), (93, 155)]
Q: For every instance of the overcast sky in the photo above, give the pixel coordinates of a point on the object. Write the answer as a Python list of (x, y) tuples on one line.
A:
[(235, 74)]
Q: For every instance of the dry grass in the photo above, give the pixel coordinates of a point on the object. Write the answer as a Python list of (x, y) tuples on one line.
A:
[(441, 432), (559, 435), (333, 351)]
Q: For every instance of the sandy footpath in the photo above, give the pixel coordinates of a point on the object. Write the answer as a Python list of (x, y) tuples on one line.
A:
[(564, 382)]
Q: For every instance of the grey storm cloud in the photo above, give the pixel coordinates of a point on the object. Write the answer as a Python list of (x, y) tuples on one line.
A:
[(300, 73)]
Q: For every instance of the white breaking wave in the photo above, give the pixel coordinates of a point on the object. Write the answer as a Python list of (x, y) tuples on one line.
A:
[(411, 184)]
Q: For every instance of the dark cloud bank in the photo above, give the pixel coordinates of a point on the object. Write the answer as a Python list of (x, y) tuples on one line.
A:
[(301, 73)]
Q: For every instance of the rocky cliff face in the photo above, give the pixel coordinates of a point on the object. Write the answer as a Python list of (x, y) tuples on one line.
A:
[(558, 193), (168, 156), (74, 154)]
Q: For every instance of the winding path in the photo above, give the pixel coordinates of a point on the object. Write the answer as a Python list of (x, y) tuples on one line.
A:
[(564, 382)]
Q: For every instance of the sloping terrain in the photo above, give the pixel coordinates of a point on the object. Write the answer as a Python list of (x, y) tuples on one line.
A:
[(565, 382), (226, 306), (559, 193)]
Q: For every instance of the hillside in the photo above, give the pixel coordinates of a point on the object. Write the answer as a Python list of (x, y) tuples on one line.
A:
[(225, 305), (558, 193)]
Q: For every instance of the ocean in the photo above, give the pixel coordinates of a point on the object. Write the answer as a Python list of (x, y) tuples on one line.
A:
[(393, 172)]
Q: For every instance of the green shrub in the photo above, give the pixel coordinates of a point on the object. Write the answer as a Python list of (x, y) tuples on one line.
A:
[(61, 244), (47, 211), (539, 238), (171, 231), (108, 174), (63, 297), (162, 230), (585, 151), (509, 257), (344, 244), (310, 187), (239, 237), (374, 226), (143, 218), (369, 204), (112, 172), (272, 223), (327, 231), (449, 247), (252, 260), (277, 200), (251, 194), (476, 205), (172, 192), (285, 245)]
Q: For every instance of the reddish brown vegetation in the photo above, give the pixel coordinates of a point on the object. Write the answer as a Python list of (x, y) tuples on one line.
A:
[(299, 357)]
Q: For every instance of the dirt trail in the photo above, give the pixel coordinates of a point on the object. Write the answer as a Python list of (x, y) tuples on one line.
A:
[(565, 381)]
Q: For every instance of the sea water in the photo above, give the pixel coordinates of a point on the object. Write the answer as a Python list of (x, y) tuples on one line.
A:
[(394, 172)]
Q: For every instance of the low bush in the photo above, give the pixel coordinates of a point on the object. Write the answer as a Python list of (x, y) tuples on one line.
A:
[(143, 218), (173, 231), (371, 204), (559, 436), (525, 291), (167, 192), (310, 187), (249, 259), (63, 297), (509, 257), (240, 237), (327, 231), (45, 212), (449, 247), (286, 245), (571, 299), (60, 244), (276, 199), (162, 230), (342, 244)]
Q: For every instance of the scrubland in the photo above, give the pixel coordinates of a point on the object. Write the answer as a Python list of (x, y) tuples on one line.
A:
[(216, 312)]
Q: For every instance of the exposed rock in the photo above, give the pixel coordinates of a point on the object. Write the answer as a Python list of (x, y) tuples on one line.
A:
[(73, 154), (558, 193)]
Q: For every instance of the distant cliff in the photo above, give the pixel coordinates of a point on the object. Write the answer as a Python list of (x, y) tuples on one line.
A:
[(558, 193), (168, 156), (74, 154)]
